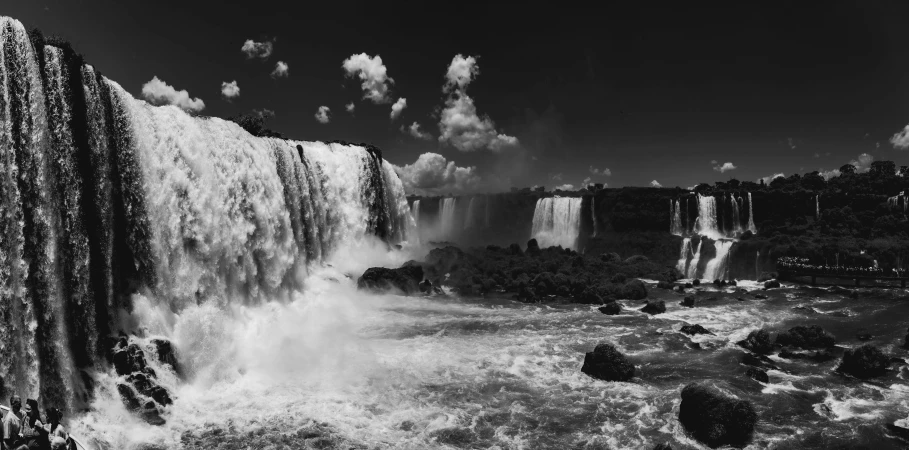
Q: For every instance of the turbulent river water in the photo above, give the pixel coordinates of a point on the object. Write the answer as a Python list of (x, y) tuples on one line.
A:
[(384, 371)]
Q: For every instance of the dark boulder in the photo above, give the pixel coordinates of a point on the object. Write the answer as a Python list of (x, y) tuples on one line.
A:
[(719, 282), (750, 359), (526, 294), (767, 276), (607, 363), (863, 362), (515, 250), (695, 282), (633, 290), (694, 329), (680, 288), (714, 418), (654, 307), (611, 309), (771, 284), (166, 353), (405, 279), (758, 341), (664, 285), (732, 283), (806, 337), (689, 301), (426, 286), (128, 358), (757, 374)]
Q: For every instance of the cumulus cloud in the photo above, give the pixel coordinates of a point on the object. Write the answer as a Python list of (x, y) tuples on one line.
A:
[(431, 173), (557, 177), (770, 178), (398, 107), (586, 181), (230, 90), (322, 115), (157, 92), (655, 183), (901, 140), (281, 70), (372, 73), (564, 187), (264, 113), (725, 167), (459, 123), (254, 49), (828, 174), (862, 163), (415, 131), (604, 171), (350, 107)]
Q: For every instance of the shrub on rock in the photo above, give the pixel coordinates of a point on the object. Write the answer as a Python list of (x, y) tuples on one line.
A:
[(863, 362), (654, 307), (758, 341), (533, 248), (806, 337), (610, 257), (714, 418), (607, 363), (633, 290)]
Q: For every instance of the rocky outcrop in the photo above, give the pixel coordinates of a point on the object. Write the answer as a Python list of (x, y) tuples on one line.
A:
[(864, 362), (714, 418), (611, 309), (654, 307), (758, 341), (664, 285), (405, 280), (689, 301), (771, 284), (694, 329), (757, 374), (809, 337), (607, 363), (137, 383)]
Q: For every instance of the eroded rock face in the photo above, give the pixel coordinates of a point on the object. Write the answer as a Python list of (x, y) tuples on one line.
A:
[(607, 363), (138, 386), (758, 341), (864, 362), (715, 418), (405, 280)]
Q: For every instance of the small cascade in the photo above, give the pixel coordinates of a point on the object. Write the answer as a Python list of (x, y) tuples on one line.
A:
[(682, 265), (471, 220), (817, 206), (716, 267), (751, 226), (706, 221), (557, 221), (415, 211), (693, 265), (446, 216), (675, 217), (736, 215), (593, 215), (898, 202)]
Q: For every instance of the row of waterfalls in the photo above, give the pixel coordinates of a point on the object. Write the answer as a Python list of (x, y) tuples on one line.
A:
[(450, 218), (710, 222), (104, 196)]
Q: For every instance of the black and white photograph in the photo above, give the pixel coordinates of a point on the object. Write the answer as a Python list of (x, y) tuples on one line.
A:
[(282, 225)]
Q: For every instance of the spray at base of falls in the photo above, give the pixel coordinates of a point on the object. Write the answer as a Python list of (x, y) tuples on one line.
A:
[(557, 221)]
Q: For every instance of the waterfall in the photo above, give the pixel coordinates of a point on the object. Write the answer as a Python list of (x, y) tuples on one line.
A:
[(557, 221), (716, 267), (736, 215), (693, 265), (751, 226), (593, 214), (706, 221), (817, 206), (104, 196), (689, 226), (415, 211), (682, 265), (676, 218), (471, 220), (486, 220), (446, 216)]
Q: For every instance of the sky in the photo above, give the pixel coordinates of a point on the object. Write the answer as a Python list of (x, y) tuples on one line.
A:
[(513, 96)]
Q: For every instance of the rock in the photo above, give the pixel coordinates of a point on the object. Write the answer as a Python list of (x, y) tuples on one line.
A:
[(405, 279), (719, 283), (688, 301), (757, 374), (611, 309), (527, 295), (533, 248), (732, 283), (758, 341), (515, 249), (864, 362), (654, 307), (695, 329), (607, 363), (166, 353), (767, 276), (633, 290), (760, 296), (741, 299), (695, 282), (680, 288), (750, 359), (663, 446), (714, 418), (664, 285), (771, 284), (689, 285), (806, 337), (426, 286)]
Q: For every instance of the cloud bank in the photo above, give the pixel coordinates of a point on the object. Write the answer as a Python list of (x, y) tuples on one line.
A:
[(604, 171), (901, 140), (157, 92)]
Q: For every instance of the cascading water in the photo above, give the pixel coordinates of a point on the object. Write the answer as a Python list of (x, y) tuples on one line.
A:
[(817, 206), (682, 265), (593, 215), (751, 226), (716, 267), (104, 196), (447, 216), (706, 222), (693, 265), (471, 220), (736, 215), (675, 217), (415, 211), (557, 221)]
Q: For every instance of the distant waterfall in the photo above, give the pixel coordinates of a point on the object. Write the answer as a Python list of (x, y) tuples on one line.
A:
[(675, 217), (716, 267), (736, 215), (471, 220), (693, 265), (751, 226), (415, 211), (817, 206), (593, 214), (898, 201), (447, 216), (557, 221), (707, 223), (682, 265), (103, 196)]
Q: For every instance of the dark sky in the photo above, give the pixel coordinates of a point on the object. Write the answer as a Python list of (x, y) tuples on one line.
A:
[(650, 93)]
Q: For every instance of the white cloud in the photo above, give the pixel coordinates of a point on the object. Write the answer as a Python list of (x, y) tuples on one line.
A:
[(713, 161), (350, 107), (557, 177), (862, 163), (655, 183), (586, 181), (726, 166), (901, 140), (264, 113), (564, 187), (281, 70), (828, 174), (322, 114), (230, 90), (770, 178), (459, 123), (157, 92), (373, 74), (604, 171), (415, 131), (398, 107), (431, 173), (255, 49)]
